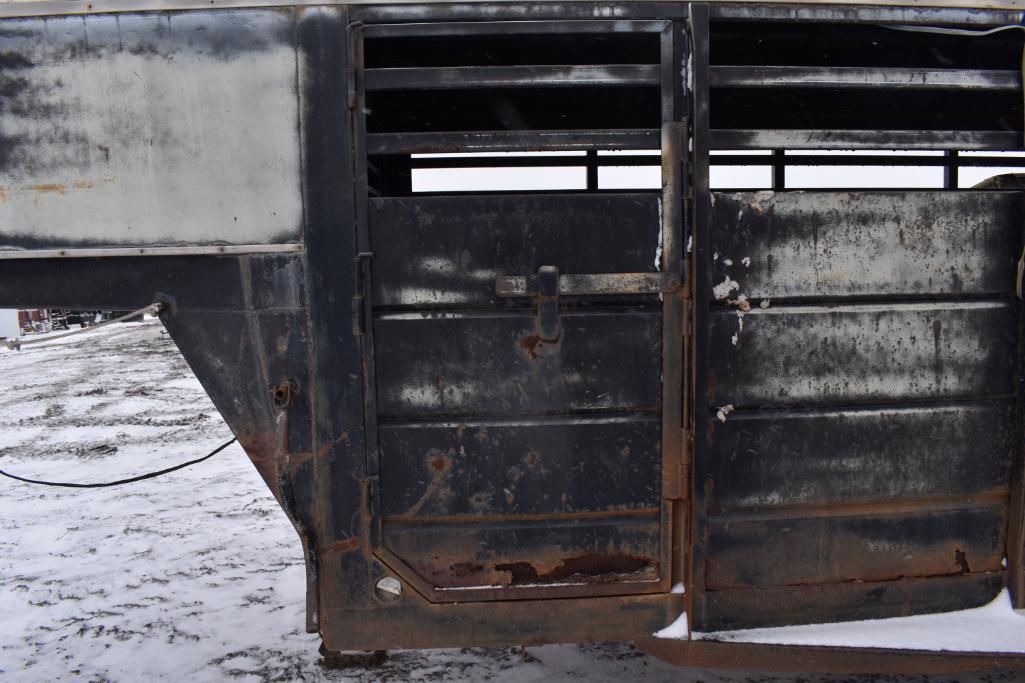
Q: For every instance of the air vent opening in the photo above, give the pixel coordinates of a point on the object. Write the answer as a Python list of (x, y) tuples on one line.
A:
[(860, 81), (510, 50), (858, 45)]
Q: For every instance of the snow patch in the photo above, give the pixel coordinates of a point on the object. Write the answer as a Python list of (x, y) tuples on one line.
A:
[(678, 630)]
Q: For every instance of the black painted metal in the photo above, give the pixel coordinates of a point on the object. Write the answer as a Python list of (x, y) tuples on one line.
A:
[(803, 406)]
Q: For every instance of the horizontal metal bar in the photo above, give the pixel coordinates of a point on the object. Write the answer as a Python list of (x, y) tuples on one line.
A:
[(533, 161), (866, 139), (828, 660), (718, 160), (942, 12), (103, 252), (866, 160), (863, 508), (466, 77), (511, 141), (598, 284), (897, 11), (463, 28), (857, 77)]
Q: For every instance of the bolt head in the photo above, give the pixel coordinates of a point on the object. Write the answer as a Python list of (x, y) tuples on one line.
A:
[(388, 588)]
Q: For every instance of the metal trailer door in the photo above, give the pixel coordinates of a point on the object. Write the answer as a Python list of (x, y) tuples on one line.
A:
[(513, 341), (858, 351)]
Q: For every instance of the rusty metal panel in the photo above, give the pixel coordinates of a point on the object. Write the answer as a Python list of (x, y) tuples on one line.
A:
[(822, 603), (853, 436), (766, 459), (831, 661), (149, 129), (455, 247), (786, 355), (469, 364), (510, 467), (745, 549), (821, 244), (416, 623), (860, 418), (533, 552)]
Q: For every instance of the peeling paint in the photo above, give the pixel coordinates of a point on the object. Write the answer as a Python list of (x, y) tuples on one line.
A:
[(167, 130), (724, 288)]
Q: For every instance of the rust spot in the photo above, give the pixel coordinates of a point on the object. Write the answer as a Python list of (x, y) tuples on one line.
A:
[(344, 546), (531, 344), (533, 458), (81, 184), (261, 449), (3, 193), (439, 463), (45, 188), (521, 572), (625, 451), (480, 501), (342, 438), (460, 432), (582, 567), (463, 569), (961, 560), (284, 392)]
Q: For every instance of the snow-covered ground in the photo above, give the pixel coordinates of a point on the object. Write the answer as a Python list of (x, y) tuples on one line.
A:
[(194, 576)]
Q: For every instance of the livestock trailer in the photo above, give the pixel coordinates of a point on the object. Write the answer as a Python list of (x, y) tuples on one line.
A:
[(579, 403)]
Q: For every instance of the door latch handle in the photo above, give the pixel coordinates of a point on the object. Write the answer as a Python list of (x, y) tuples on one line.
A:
[(595, 284), (548, 303), (548, 285)]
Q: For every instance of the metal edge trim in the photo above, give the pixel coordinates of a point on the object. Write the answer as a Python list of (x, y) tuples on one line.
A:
[(43, 8), (222, 250)]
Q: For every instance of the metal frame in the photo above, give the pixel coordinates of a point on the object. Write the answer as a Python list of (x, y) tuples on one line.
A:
[(109, 252), (347, 553), (825, 660), (667, 76), (925, 12), (700, 205)]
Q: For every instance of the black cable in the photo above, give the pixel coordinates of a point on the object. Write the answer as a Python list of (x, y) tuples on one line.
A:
[(151, 475)]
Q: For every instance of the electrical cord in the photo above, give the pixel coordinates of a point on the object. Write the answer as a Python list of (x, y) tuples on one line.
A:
[(966, 33), (16, 344), (100, 485)]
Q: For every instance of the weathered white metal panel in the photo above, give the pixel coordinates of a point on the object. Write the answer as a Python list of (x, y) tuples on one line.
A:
[(158, 129), (9, 328)]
